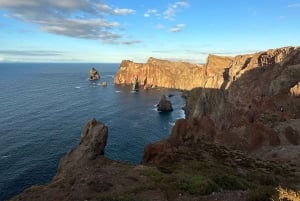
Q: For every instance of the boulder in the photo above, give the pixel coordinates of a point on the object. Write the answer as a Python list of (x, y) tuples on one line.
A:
[(94, 74), (104, 84), (164, 104)]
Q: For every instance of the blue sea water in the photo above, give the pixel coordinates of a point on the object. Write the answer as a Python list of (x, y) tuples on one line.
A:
[(44, 107)]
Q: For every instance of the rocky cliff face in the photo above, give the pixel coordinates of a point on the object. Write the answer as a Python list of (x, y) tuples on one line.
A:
[(193, 172), (253, 104), (160, 73)]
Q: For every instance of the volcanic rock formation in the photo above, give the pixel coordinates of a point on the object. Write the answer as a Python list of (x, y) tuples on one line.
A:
[(164, 104), (94, 74), (160, 73)]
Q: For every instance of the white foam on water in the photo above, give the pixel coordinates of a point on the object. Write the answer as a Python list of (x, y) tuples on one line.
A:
[(118, 91), (171, 123), (181, 115), (77, 87)]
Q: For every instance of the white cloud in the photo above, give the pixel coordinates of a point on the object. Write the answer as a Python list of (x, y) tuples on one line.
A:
[(103, 7), (171, 11), (151, 12), (123, 11), (177, 28), (73, 18)]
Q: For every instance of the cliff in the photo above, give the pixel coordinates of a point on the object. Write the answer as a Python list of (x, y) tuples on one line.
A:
[(205, 172), (160, 73), (219, 71), (239, 141), (257, 107)]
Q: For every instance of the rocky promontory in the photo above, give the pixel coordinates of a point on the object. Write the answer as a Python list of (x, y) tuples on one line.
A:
[(171, 170), (160, 73), (239, 141)]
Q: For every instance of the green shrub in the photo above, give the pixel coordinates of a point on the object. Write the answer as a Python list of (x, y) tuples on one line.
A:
[(230, 182), (154, 174), (198, 185)]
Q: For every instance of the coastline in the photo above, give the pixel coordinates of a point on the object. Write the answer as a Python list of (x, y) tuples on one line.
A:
[(198, 142)]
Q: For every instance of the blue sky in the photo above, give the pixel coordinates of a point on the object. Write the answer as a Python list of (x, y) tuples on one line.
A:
[(111, 30)]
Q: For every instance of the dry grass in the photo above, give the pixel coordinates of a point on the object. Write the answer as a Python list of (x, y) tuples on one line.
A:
[(288, 195)]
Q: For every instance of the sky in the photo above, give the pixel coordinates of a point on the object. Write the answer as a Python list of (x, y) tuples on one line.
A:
[(111, 30)]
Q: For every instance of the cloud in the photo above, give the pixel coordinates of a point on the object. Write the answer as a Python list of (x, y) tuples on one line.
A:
[(86, 19), (171, 11), (295, 5), (151, 12), (177, 28), (30, 53), (123, 11)]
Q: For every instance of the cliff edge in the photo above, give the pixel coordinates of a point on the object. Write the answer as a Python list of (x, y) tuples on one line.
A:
[(186, 172)]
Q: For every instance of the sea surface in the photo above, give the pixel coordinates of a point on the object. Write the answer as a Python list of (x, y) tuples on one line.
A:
[(44, 107)]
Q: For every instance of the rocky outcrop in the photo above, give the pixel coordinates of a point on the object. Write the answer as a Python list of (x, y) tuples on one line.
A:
[(164, 105), (295, 90), (171, 171), (94, 74), (104, 84), (92, 143), (160, 73)]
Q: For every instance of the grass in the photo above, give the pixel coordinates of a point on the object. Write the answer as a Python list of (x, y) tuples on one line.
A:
[(231, 182), (198, 185)]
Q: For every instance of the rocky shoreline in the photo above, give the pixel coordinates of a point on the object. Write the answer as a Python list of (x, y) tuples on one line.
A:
[(239, 141)]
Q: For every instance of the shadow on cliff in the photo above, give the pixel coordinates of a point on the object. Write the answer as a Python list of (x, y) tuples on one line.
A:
[(251, 114), (252, 111)]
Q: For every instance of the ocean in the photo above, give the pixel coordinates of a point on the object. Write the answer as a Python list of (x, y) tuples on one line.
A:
[(44, 107)]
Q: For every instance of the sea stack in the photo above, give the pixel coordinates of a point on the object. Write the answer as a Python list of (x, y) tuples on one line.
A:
[(135, 84), (164, 105), (94, 74)]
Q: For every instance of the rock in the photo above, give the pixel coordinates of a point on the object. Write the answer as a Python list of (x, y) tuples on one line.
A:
[(92, 143), (295, 90), (160, 73), (164, 105), (94, 74), (135, 84), (104, 84)]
